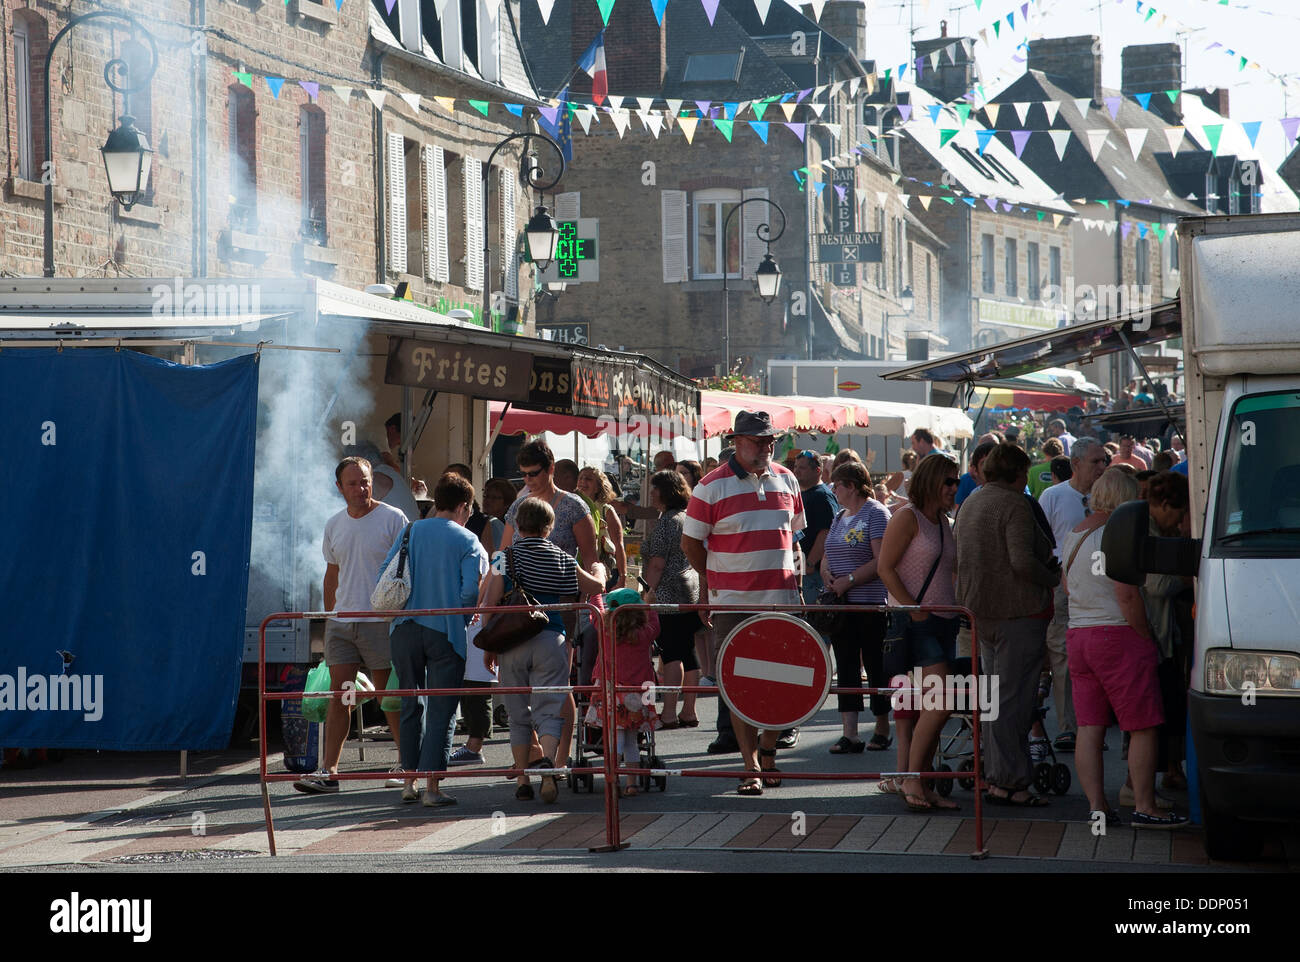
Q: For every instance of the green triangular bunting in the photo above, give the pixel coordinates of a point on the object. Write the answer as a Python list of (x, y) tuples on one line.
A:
[(1042, 214), (963, 111), (606, 6), (759, 107), (480, 105), (1212, 133), (1172, 95), (725, 126), (945, 136)]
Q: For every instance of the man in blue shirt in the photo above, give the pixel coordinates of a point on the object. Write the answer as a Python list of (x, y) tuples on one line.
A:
[(819, 509), (972, 479)]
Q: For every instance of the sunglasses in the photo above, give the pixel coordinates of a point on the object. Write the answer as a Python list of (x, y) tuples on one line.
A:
[(951, 482), (768, 442), (532, 474)]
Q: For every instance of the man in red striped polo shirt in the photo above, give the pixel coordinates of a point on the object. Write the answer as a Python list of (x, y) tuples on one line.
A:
[(748, 510)]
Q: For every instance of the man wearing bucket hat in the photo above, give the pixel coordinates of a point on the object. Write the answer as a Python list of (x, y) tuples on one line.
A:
[(748, 510)]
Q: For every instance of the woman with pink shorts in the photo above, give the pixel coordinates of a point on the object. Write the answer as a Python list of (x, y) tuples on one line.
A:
[(1113, 660)]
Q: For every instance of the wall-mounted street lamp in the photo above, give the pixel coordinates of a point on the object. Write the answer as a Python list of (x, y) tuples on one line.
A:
[(767, 275), (127, 154), (541, 233), (907, 301)]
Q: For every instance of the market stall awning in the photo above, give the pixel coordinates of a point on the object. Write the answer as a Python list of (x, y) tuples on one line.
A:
[(1000, 397), (899, 419), (1074, 344), (718, 410)]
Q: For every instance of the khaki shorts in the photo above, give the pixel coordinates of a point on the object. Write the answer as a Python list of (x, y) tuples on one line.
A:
[(358, 643)]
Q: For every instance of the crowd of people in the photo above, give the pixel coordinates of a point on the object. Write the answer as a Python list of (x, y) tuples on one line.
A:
[(1013, 540)]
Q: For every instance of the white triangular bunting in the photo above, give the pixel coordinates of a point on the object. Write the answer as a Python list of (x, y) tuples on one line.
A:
[(1060, 140), (1022, 111), (412, 101), (376, 97), (615, 103), (817, 6), (818, 109), (818, 91), (1096, 141), (622, 120), (1082, 104), (584, 118), (645, 102), (1052, 107), (674, 107), (653, 121), (345, 93), (762, 6), (544, 8), (860, 194), (1136, 137), (854, 84), (1174, 135), (934, 60), (880, 197)]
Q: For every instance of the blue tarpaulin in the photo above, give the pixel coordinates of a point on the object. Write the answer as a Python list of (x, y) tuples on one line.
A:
[(125, 527)]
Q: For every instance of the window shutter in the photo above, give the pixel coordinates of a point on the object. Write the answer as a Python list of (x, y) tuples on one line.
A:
[(509, 236), (395, 174), (433, 176), (751, 248), (672, 214), (473, 224), (568, 206)]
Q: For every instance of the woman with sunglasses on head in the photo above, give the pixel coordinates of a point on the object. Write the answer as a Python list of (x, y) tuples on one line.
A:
[(918, 559)]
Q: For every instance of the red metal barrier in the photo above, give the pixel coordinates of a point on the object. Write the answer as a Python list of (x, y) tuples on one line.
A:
[(608, 657), (614, 840), (264, 696)]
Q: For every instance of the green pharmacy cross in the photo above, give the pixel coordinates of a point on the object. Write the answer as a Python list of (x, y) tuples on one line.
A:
[(576, 253)]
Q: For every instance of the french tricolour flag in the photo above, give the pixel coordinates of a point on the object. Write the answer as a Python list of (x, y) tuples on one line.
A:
[(593, 62)]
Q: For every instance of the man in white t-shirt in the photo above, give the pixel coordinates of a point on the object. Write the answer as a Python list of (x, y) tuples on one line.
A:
[(1066, 504), (357, 540)]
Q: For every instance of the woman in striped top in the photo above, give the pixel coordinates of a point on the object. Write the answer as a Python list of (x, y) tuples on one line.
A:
[(848, 568), (917, 535)]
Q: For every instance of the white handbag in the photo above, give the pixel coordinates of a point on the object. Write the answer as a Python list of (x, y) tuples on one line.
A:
[(394, 587)]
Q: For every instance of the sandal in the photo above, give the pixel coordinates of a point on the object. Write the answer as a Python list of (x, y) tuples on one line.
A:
[(670, 725), (890, 786), (524, 793), (1029, 801), (769, 782), (847, 745), (550, 789), (626, 791), (689, 722), (878, 743), (917, 803), (750, 786)]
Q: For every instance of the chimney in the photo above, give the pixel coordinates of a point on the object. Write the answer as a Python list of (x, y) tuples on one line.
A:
[(846, 21), (1072, 63), (1153, 68), (636, 49), (955, 73), (1216, 101)]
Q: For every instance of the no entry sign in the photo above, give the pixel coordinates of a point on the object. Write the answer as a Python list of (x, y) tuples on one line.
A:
[(773, 671)]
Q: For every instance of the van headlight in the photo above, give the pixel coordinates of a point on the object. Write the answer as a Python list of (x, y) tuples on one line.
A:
[(1231, 672)]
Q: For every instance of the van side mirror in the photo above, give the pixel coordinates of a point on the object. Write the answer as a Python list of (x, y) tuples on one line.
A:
[(1131, 553)]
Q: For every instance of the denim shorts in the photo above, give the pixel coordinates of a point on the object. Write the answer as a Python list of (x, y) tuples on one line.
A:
[(934, 640)]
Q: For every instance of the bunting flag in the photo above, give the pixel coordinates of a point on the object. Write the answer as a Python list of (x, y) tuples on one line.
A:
[(1290, 125), (925, 201), (622, 120), (1212, 133), (798, 130), (688, 127), (983, 136), (446, 103), (935, 110), (818, 109), (1174, 136), (413, 101), (762, 6), (544, 8), (905, 112), (788, 110), (841, 192), (1125, 228), (1144, 100), (674, 107), (313, 90), (945, 136), (516, 109), (1251, 129), (1112, 105), (1060, 140), (963, 111), (1022, 110), (480, 105), (606, 8), (818, 186), (705, 106), (615, 102), (710, 9), (817, 6), (376, 97), (244, 78), (275, 83), (1136, 136), (344, 93), (991, 111), (759, 127), (1081, 104), (1096, 141), (724, 126), (1019, 138), (1052, 107), (729, 111), (585, 118)]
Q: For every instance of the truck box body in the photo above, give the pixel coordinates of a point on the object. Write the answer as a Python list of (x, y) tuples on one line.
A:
[(1240, 304)]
